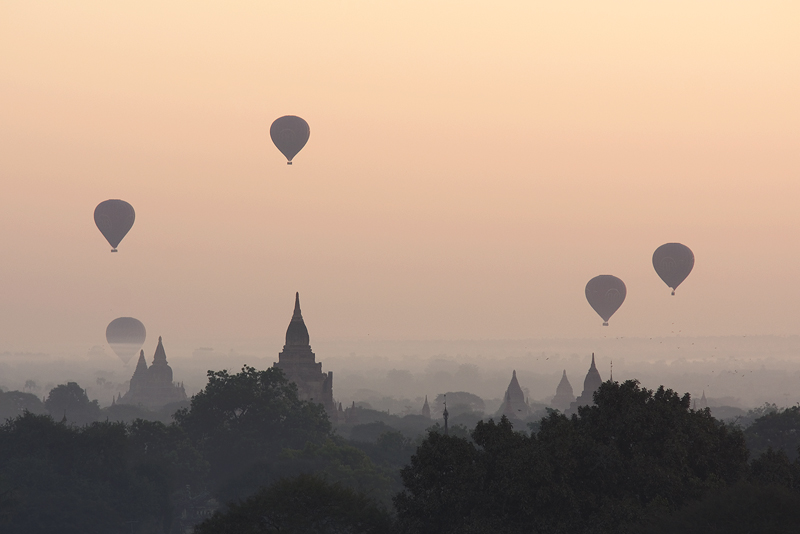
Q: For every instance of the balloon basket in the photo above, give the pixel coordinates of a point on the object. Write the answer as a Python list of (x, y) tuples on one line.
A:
[(673, 293), (113, 250), (288, 162), (605, 324)]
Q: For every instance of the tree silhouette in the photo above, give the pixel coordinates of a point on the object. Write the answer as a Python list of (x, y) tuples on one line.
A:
[(244, 419), (70, 400), (634, 452), (299, 505)]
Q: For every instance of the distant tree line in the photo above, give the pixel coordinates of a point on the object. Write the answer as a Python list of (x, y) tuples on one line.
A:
[(246, 455)]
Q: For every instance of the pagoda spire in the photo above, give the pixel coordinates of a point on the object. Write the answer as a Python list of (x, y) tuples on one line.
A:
[(141, 365), (297, 314), (591, 384), (160, 357), (515, 404), (297, 333), (564, 394), (564, 387)]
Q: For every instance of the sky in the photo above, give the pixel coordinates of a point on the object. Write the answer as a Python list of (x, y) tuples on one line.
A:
[(470, 167)]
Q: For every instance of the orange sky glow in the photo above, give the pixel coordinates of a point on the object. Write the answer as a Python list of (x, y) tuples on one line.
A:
[(471, 166)]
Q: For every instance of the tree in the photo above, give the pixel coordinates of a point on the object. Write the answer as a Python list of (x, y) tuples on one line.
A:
[(164, 456), (778, 429), (70, 400), (369, 432), (442, 486), (393, 449), (300, 505), (340, 463), (73, 480), (634, 451), (126, 413), (774, 468), (650, 446), (391, 452), (740, 509), (14, 403), (239, 420)]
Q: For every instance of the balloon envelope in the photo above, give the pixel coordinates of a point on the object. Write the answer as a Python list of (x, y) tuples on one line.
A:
[(605, 294), (126, 336), (673, 262), (290, 134), (114, 218)]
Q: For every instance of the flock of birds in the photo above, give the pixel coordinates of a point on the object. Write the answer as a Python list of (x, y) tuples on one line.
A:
[(114, 218)]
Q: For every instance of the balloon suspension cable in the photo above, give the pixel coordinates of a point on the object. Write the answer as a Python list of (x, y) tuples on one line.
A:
[(605, 324)]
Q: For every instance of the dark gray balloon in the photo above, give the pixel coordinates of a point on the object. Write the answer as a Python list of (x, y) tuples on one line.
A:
[(605, 294), (114, 218), (673, 262), (126, 336), (290, 134)]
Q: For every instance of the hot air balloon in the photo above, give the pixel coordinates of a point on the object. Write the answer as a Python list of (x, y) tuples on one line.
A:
[(673, 262), (290, 135), (605, 294), (114, 218), (126, 335)]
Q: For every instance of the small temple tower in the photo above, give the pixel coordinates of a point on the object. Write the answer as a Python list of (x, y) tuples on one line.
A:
[(591, 384), (426, 409), (153, 387), (514, 405), (300, 365), (564, 396)]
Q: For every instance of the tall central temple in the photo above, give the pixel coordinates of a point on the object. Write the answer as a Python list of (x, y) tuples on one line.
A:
[(300, 365)]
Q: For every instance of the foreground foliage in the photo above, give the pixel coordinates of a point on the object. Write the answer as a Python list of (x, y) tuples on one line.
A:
[(59, 478), (634, 453), (249, 448), (301, 505), (244, 431), (777, 429), (741, 509)]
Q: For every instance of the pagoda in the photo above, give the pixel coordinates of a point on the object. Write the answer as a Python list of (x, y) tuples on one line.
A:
[(564, 395), (299, 364)]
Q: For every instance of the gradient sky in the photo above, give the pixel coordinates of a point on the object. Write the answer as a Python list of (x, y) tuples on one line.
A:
[(471, 166)]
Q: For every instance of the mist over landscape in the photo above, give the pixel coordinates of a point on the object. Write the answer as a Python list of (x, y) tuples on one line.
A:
[(741, 372)]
